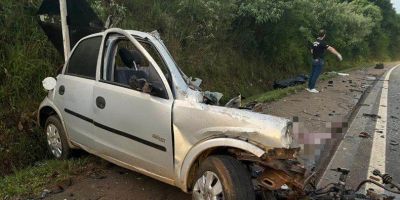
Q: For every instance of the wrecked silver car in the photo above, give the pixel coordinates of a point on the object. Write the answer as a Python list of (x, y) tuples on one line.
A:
[(122, 97)]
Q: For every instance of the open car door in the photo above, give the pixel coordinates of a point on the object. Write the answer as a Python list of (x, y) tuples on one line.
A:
[(133, 123)]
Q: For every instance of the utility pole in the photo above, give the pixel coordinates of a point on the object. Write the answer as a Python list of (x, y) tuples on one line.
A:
[(65, 29)]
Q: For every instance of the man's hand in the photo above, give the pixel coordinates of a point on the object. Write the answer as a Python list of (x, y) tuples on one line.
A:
[(333, 50), (339, 57)]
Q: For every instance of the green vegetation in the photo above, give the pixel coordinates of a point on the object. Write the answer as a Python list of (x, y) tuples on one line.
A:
[(274, 95), (30, 182), (233, 45), (243, 46)]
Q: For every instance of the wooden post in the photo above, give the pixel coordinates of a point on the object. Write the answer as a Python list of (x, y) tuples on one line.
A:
[(65, 29)]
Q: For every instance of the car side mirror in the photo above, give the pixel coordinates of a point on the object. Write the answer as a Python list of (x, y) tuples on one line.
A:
[(49, 83)]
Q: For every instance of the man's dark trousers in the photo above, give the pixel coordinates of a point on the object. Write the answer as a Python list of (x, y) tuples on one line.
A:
[(317, 66)]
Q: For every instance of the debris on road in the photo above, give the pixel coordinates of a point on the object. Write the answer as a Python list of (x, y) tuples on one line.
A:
[(394, 117), (355, 90), (338, 73), (370, 78), (379, 66), (45, 193), (364, 135), (343, 74), (394, 143), (374, 116), (300, 79)]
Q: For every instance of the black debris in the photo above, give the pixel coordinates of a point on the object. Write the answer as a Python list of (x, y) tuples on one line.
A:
[(364, 135), (250, 105), (374, 116), (355, 90), (300, 79), (379, 66), (394, 143)]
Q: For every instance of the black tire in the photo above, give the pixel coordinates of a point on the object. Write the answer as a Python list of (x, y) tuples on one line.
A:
[(65, 150), (235, 179)]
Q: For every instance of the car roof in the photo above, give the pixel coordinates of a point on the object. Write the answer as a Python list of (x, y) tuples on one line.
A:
[(131, 32)]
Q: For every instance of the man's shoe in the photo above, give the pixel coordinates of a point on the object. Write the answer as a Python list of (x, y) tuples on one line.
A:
[(312, 90)]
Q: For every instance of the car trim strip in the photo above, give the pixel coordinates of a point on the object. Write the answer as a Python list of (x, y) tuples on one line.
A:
[(79, 115), (118, 132)]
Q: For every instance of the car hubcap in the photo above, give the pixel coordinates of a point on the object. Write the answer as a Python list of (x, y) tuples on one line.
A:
[(208, 187), (54, 140)]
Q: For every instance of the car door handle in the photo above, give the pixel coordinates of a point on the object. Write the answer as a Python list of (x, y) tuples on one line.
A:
[(61, 90), (100, 102)]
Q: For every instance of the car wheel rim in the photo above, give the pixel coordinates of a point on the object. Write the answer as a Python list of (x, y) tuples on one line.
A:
[(208, 187), (54, 140)]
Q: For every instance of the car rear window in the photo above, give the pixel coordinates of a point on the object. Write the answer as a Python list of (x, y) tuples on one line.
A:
[(83, 60)]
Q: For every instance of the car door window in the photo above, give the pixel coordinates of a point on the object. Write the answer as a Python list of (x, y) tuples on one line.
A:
[(83, 60), (126, 66)]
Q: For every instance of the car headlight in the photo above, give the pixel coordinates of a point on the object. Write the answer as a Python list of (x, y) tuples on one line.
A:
[(287, 135)]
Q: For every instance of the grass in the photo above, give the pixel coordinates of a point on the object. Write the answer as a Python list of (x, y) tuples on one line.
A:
[(275, 95), (31, 181)]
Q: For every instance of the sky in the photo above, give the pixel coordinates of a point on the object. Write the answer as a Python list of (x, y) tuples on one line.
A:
[(396, 4)]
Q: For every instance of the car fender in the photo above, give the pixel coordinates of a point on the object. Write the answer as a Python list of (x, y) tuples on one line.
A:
[(48, 103), (199, 148)]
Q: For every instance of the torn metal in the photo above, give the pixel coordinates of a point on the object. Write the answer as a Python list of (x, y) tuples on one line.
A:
[(280, 167)]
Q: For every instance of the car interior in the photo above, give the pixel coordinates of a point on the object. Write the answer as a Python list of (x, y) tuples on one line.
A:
[(128, 67)]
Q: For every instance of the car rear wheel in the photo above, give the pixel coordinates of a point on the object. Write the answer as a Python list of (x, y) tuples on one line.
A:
[(222, 178), (56, 139)]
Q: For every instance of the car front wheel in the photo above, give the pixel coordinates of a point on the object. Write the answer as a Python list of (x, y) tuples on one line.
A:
[(222, 178), (56, 139)]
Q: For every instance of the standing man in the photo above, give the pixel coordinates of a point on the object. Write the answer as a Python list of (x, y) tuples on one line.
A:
[(318, 52)]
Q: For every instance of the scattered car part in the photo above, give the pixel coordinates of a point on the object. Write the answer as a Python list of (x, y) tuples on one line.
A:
[(235, 102), (379, 66), (300, 79)]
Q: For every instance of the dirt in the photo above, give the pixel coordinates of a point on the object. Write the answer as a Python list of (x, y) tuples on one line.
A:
[(338, 97), (113, 182)]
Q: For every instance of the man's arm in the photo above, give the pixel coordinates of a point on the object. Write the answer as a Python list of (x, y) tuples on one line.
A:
[(333, 51)]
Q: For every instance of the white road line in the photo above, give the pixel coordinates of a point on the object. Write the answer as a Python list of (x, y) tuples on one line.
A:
[(378, 150)]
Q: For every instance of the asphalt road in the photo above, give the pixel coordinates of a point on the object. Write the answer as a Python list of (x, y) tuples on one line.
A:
[(379, 118)]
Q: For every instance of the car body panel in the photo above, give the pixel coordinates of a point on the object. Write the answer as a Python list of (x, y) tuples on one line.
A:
[(145, 117), (191, 152), (77, 98)]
